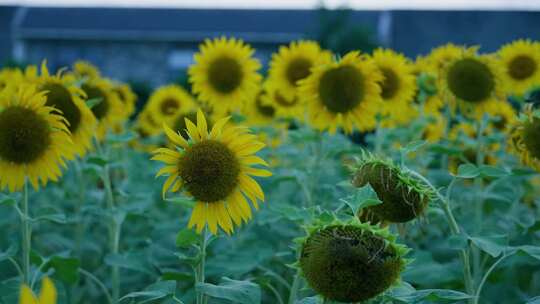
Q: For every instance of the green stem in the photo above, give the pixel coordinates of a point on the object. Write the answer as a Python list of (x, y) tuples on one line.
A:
[(98, 283), (295, 287), (114, 226), (79, 226), (479, 206), (486, 275), (201, 298), (444, 203), (378, 137), (26, 234)]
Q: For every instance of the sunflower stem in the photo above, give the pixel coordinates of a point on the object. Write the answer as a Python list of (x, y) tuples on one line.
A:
[(295, 287), (378, 137), (480, 127), (444, 203), (79, 228), (201, 298), (486, 275), (26, 234)]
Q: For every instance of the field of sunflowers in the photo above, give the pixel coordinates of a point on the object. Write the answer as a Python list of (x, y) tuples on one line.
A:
[(362, 178)]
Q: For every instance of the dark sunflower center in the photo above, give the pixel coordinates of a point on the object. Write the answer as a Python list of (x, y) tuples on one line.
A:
[(60, 98), (180, 123), (265, 110), (24, 135), (341, 89), (121, 95), (101, 109), (209, 170), (531, 137), (390, 85), (282, 101), (298, 69), (225, 74), (522, 67), (169, 106), (470, 80), (348, 264)]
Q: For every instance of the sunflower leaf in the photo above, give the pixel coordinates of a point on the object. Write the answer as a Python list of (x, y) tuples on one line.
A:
[(363, 197), (241, 292), (153, 292), (468, 171), (186, 237), (93, 102)]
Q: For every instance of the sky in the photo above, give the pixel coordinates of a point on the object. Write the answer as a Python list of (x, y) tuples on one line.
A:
[(295, 4)]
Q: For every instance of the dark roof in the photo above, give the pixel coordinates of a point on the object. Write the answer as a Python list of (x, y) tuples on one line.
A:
[(171, 24)]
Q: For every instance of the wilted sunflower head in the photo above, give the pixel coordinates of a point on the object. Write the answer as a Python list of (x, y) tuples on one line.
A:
[(351, 262), (403, 197)]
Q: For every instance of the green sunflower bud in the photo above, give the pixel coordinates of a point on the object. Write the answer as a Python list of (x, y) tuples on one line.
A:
[(403, 197), (351, 262)]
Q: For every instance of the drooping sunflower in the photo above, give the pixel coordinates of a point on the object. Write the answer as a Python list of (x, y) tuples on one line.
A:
[(472, 83), (293, 63), (525, 138), (215, 168), (398, 87), (47, 294), (521, 62), (64, 95), (167, 101), (344, 93), (34, 139), (225, 73), (82, 68), (351, 261), (107, 107)]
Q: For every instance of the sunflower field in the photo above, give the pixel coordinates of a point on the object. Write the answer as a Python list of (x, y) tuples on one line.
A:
[(362, 178)]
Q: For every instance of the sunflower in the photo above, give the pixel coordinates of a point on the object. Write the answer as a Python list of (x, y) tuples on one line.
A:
[(127, 97), (439, 58), (463, 135), (260, 111), (398, 87), (351, 261), (473, 83), (46, 296), (521, 61), (343, 93), (85, 69), (64, 95), (524, 139), (167, 101), (225, 73), (108, 109), (293, 63), (34, 139), (10, 76), (435, 128), (215, 168), (285, 106)]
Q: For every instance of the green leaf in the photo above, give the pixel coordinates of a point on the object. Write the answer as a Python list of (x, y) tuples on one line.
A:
[(241, 292), (362, 198), (532, 251), (429, 294), (492, 245), (97, 160), (492, 171), (468, 171), (93, 102), (310, 300), (535, 300), (7, 200), (121, 138), (65, 269), (58, 218), (182, 201), (187, 237), (176, 276), (413, 146), (153, 292), (457, 242)]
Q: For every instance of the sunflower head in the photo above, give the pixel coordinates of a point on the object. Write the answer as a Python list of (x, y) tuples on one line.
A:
[(293, 63), (86, 69), (260, 110), (521, 63), (343, 93), (403, 197), (34, 139), (351, 261), (214, 168), (524, 139), (225, 73)]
